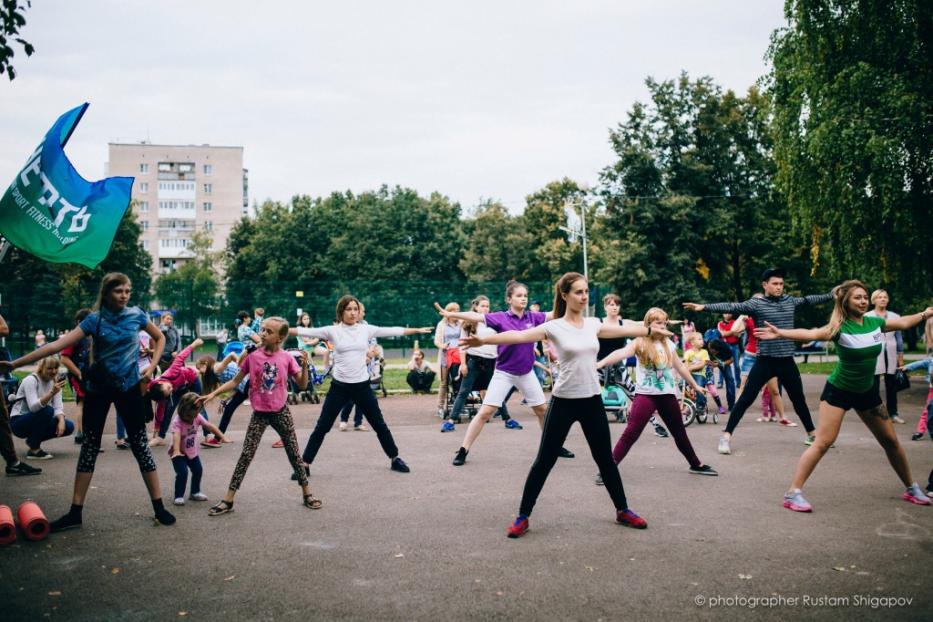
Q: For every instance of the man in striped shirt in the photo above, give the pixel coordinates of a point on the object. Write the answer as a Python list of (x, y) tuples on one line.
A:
[(775, 357)]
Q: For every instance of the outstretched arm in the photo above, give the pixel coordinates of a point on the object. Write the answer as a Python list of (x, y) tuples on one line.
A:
[(907, 321), (735, 308), (469, 316), (686, 375), (608, 331), (617, 356), (530, 335), (770, 331), (68, 339), (227, 386)]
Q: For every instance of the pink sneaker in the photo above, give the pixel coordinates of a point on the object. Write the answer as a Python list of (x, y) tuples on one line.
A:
[(794, 500), (915, 495), (278, 444)]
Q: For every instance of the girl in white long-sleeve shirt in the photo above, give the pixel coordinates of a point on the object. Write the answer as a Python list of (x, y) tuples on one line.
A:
[(350, 381)]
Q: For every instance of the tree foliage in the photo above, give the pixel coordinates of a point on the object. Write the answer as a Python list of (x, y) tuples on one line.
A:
[(690, 208), (852, 91), (37, 294), (12, 18)]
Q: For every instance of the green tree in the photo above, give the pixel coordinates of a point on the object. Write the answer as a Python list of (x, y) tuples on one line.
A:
[(852, 93), (498, 247), (37, 294), (690, 210), (552, 252), (12, 18), (192, 290)]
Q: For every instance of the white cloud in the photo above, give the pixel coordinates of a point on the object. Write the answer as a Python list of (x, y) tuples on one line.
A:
[(481, 99)]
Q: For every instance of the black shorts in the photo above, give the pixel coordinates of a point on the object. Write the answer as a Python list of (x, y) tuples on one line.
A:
[(840, 398)]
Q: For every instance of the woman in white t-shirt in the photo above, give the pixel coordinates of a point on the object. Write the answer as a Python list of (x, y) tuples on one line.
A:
[(656, 391), (351, 377), (576, 393)]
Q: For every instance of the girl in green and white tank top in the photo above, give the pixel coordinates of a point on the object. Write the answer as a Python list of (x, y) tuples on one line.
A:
[(851, 385)]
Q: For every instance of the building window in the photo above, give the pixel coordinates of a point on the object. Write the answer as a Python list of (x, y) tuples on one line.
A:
[(144, 206), (208, 188), (208, 169), (208, 225), (145, 224), (143, 169), (145, 244), (208, 207), (143, 187)]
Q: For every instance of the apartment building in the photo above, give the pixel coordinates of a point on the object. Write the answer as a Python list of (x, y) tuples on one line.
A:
[(180, 189)]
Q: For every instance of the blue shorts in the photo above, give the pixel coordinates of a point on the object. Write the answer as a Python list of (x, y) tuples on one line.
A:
[(748, 359)]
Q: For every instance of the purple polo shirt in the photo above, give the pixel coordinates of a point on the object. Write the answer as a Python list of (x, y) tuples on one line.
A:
[(519, 358)]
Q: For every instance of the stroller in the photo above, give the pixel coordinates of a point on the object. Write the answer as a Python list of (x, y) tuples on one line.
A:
[(618, 391), (473, 401)]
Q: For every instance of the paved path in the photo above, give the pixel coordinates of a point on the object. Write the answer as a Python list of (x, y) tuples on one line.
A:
[(430, 545)]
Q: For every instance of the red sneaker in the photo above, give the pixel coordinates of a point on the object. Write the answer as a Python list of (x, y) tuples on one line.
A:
[(278, 444), (518, 528), (630, 519)]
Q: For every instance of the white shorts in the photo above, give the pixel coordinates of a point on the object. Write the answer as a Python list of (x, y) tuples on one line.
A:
[(502, 382)]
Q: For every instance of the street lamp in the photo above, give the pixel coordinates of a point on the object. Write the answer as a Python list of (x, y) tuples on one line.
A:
[(578, 230)]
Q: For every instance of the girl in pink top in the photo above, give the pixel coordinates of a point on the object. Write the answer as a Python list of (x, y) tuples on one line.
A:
[(168, 388), (268, 369), (184, 451)]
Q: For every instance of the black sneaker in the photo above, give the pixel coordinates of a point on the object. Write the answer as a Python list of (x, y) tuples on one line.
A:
[(599, 479), (21, 468), (68, 521), (38, 454), (703, 470), (565, 453), (307, 472), (660, 431), (460, 458), (916, 436), (79, 438), (399, 465)]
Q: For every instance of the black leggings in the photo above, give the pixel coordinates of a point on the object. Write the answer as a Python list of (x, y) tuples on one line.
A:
[(339, 394), (764, 369), (131, 407), (561, 414), (232, 404)]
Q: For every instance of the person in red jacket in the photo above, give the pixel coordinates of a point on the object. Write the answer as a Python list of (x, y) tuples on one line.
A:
[(168, 388)]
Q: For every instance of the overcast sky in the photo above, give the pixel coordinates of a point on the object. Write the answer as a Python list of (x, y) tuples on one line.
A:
[(472, 99)]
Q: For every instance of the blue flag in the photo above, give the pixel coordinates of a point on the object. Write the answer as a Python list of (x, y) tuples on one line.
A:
[(52, 212)]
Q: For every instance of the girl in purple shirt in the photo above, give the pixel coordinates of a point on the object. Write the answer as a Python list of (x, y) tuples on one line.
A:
[(514, 363)]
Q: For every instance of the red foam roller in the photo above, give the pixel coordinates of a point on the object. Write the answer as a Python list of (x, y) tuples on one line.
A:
[(7, 526), (32, 521)]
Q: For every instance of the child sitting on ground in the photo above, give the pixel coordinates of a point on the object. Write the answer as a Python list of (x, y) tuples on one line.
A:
[(184, 451)]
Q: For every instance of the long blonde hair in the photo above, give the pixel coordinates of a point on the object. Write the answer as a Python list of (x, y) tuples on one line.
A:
[(645, 348), (842, 295)]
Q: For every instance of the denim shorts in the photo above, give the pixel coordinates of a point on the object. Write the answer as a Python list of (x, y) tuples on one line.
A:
[(748, 360)]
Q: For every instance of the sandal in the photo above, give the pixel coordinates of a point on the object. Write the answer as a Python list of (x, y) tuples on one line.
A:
[(221, 508), (312, 502)]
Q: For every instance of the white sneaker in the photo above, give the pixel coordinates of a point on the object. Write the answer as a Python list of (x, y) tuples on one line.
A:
[(343, 426), (897, 419), (361, 428), (179, 501), (198, 496), (724, 447)]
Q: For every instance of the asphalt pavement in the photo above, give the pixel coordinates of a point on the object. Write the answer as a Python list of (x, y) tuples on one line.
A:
[(431, 545)]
